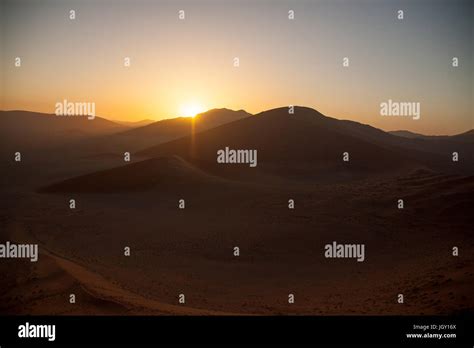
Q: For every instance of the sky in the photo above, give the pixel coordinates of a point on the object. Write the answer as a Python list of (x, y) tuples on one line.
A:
[(182, 66)]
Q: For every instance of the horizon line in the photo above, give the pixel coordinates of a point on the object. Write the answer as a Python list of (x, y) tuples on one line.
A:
[(154, 120)]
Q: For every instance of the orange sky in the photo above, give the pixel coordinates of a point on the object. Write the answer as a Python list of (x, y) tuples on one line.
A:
[(178, 65)]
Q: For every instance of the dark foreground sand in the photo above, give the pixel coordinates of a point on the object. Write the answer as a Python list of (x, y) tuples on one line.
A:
[(190, 251)]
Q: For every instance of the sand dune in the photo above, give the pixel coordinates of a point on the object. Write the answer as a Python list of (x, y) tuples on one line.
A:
[(95, 295), (281, 250), (82, 139), (465, 136), (135, 124), (300, 145), (182, 126), (310, 136), (138, 176), (190, 250), (305, 147), (138, 138), (24, 130)]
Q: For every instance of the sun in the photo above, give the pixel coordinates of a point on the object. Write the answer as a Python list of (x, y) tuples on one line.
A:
[(190, 109)]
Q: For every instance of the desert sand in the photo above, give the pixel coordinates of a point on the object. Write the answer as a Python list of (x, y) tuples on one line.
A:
[(190, 250)]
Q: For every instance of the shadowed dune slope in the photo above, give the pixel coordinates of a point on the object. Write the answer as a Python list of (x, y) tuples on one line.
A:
[(304, 147), (138, 176), (295, 143)]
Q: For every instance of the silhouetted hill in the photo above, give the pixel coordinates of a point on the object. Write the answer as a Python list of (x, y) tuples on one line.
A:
[(304, 147), (407, 134), (181, 126), (300, 145), (162, 131), (465, 137), (135, 124), (20, 130)]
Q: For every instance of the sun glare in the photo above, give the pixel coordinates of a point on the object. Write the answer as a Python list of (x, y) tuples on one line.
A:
[(190, 110)]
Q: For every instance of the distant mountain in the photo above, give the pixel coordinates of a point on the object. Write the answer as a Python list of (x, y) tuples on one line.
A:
[(304, 147), (407, 134), (170, 129), (440, 145), (24, 129), (466, 136), (301, 145), (181, 126), (135, 124)]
